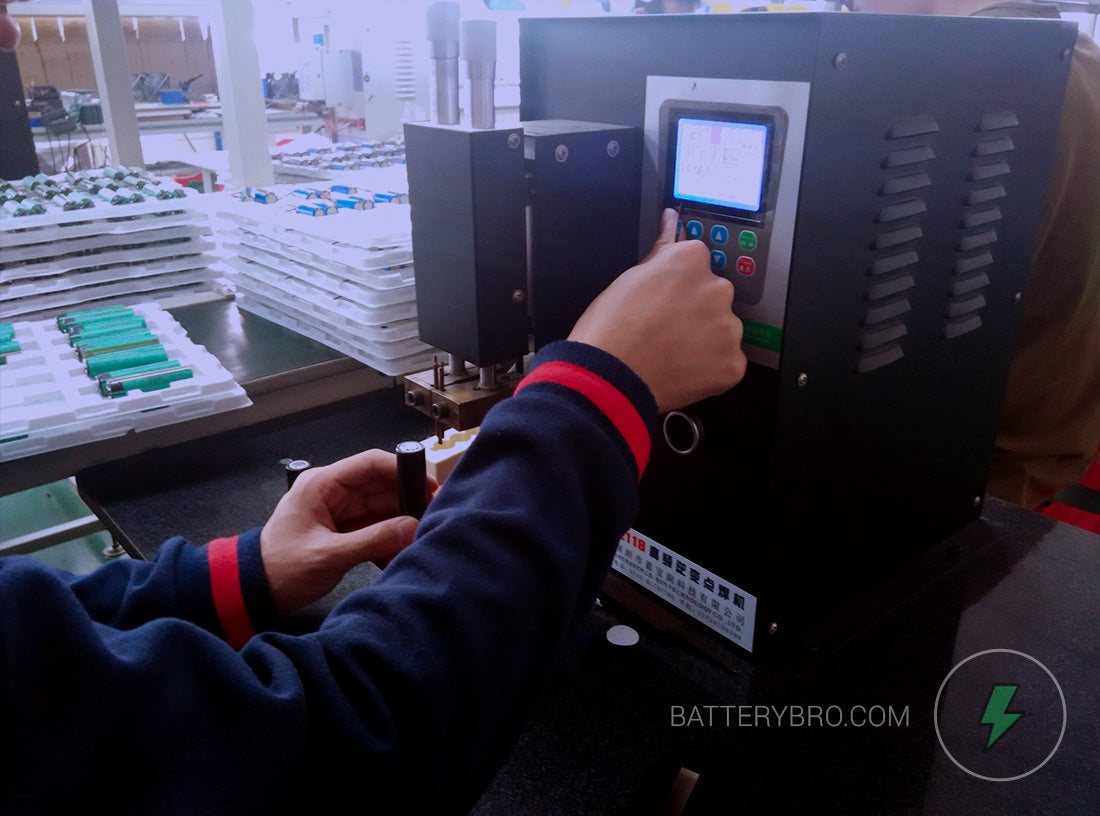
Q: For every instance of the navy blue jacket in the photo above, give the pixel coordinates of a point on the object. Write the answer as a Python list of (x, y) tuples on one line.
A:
[(164, 688)]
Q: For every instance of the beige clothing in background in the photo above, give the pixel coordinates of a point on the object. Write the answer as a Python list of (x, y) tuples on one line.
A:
[(1050, 422)]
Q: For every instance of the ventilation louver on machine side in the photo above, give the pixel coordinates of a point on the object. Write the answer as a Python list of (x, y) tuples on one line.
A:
[(896, 241), (978, 227)]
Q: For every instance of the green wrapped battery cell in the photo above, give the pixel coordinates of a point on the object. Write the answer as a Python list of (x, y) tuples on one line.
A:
[(88, 324), (120, 360), (101, 310), (115, 342), (152, 377), (148, 368), (66, 322), (102, 328), (8, 343), (16, 209), (112, 196)]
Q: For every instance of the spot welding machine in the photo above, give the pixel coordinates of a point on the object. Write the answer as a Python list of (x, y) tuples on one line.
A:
[(871, 184)]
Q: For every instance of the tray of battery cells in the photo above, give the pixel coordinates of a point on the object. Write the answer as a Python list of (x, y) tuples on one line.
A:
[(344, 278), (97, 238), (102, 373), (331, 161)]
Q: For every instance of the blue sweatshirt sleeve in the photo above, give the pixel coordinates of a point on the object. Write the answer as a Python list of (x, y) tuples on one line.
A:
[(412, 691), (220, 587)]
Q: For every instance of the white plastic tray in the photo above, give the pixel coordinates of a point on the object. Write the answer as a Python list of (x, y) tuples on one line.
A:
[(397, 270), (48, 402), (416, 357), (59, 225), (13, 257), (53, 296), (351, 316)]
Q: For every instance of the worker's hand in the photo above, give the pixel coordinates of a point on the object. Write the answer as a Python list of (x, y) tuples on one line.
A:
[(333, 518), (671, 320)]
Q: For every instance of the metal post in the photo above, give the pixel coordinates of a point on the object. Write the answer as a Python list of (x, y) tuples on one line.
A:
[(442, 25), (479, 49), (113, 79), (244, 119)]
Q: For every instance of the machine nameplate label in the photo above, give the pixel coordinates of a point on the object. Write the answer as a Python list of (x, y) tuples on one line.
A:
[(714, 601)]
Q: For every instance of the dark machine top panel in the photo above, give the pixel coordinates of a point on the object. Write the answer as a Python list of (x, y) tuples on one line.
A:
[(592, 66), (589, 68)]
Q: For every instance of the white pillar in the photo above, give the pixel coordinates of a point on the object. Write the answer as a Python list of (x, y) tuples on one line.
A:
[(113, 78), (240, 89)]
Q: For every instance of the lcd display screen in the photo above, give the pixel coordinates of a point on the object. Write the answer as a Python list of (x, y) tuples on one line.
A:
[(721, 163)]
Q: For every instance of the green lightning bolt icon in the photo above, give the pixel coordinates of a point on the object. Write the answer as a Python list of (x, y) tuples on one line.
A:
[(996, 714)]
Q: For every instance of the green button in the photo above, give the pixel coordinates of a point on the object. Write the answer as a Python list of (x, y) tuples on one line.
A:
[(747, 239)]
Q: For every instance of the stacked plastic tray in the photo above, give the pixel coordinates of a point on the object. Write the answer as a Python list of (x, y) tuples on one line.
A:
[(58, 259), (315, 158), (49, 401), (345, 279)]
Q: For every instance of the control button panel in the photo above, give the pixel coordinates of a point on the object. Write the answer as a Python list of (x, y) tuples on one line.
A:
[(737, 251)]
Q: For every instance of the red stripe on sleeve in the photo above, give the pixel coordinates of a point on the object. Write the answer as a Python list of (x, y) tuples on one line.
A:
[(606, 397), (1091, 479), (225, 584)]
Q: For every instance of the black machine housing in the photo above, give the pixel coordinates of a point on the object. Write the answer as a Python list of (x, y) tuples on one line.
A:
[(515, 231), (901, 186)]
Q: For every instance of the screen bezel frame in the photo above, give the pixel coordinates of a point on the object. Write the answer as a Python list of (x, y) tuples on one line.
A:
[(719, 115)]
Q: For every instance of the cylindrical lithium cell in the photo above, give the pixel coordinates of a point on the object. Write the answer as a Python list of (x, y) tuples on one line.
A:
[(294, 469), (129, 358), (412, 479)]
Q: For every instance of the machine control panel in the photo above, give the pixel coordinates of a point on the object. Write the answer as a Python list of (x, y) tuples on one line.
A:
[(722, 175)]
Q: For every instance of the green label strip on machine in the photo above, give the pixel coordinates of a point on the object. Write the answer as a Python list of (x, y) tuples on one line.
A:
[(762, 335)]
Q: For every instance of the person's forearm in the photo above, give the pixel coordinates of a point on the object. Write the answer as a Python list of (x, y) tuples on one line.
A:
[(465, 625), (412, 691), (204, 585)]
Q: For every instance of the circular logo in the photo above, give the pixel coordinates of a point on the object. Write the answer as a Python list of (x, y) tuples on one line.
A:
[(1000, 715)]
